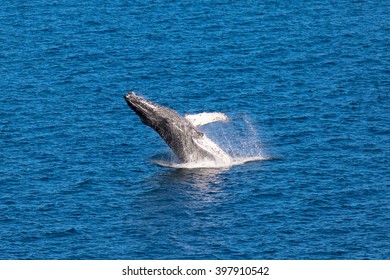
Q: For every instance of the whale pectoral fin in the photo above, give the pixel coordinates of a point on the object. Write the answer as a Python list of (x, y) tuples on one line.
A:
[(205, 118)]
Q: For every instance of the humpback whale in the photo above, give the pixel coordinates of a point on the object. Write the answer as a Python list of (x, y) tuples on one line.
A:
[(180, 132)]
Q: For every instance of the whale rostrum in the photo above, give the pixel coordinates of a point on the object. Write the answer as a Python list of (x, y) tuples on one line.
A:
[(180, 132)]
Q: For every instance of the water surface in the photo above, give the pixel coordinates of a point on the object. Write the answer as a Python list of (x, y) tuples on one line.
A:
[(306, 81)]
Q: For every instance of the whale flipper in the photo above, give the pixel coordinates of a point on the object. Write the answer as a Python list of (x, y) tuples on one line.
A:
[(205, 118)]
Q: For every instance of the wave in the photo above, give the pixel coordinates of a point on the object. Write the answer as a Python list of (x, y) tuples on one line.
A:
[(206, 163)]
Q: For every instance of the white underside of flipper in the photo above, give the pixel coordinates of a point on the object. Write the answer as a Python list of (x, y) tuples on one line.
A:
[(205, 118), (221, 158)]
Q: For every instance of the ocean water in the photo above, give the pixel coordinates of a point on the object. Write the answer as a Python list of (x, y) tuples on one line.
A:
[(305, 83)]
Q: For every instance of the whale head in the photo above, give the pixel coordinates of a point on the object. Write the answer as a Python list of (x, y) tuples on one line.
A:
[(152, 114), (146, 110)]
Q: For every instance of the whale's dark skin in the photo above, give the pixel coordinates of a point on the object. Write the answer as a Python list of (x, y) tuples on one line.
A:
[(186, 142)]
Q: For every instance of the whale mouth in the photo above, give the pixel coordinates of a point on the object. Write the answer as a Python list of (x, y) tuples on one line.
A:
[(143, 108), (131, 98), (138, 103), (150, 113), (130, 95)]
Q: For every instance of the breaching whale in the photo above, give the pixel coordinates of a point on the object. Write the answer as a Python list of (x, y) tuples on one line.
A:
[(180, 132)]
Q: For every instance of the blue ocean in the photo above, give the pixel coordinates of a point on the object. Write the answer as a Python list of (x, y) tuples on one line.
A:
[(306, 85)]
